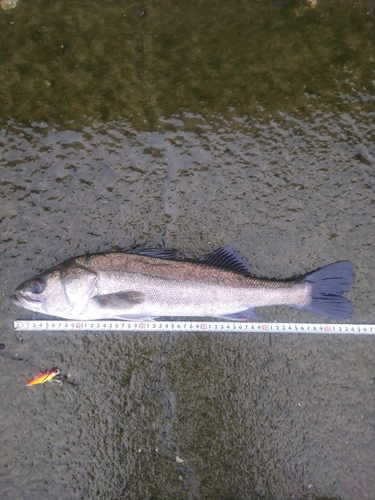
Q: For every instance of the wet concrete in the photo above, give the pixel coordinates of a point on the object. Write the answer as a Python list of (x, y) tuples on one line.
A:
[(188, 125)]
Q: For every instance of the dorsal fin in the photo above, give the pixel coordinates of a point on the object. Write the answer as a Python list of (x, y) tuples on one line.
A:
[(228, 258), (157, 253)]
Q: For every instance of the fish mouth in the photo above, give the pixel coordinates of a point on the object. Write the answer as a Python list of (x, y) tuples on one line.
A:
[(20, 301), (15, 300)]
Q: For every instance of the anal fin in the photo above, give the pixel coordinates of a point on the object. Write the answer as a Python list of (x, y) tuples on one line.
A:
[(245, 315)]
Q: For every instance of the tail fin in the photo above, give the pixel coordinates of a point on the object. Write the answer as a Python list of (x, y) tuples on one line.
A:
[(328, 284)]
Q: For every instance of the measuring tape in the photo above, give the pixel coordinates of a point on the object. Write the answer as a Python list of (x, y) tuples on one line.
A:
[(193, 326)]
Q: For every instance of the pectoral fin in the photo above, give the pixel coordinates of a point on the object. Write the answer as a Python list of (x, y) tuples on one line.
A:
[(119, 300)]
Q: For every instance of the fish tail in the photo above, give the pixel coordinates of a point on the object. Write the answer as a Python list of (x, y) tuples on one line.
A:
[(328, 285)]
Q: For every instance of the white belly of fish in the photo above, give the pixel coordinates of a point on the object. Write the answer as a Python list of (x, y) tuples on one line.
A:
[(190, 299)]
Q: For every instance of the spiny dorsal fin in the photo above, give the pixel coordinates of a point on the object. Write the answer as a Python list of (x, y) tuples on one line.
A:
[(157, 253)]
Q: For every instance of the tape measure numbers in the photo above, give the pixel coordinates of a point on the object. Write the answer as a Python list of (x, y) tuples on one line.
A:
[(194, 326)]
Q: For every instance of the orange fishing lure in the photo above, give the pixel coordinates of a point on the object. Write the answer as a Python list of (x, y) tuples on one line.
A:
[(44, 377)]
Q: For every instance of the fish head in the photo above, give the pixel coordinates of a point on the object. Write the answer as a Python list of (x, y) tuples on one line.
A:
[(39, 293), (61, 291)]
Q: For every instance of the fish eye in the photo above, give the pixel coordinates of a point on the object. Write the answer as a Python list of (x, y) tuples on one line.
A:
[(37, 285)]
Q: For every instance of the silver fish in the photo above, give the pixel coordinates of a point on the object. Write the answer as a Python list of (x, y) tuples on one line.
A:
[(152, 283)]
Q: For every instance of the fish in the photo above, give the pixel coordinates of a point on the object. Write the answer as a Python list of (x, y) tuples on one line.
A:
[(44, 377), (153, 283)]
